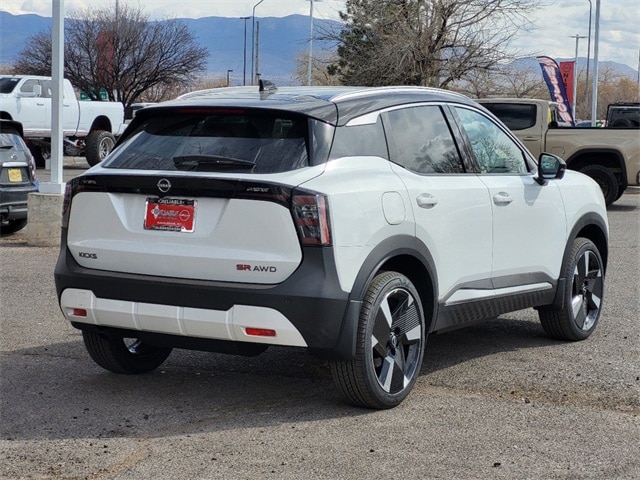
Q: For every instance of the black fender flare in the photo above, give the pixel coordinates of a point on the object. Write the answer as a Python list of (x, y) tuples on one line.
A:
[(596, 230), (383, 253)]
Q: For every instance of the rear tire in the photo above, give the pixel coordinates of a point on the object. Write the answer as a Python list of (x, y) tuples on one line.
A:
[(12, 226), (606, 179), (40, 154), (582, 298), (119, 355), (389, 345), (98, 145)]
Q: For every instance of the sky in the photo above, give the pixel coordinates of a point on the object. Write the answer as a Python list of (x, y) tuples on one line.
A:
[(554, 23)]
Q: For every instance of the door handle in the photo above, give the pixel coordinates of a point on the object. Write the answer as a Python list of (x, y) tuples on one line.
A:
[(425, 200), (502, 198), (530, 139)]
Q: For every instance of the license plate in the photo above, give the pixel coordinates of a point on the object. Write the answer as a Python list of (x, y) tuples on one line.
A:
[(170, 214), (15, 175)]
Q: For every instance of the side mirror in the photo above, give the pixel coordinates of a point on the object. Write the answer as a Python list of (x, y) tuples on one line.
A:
[(37, 90), (550, 167)]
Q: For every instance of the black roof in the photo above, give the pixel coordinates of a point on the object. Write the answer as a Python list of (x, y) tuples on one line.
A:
[(335, 105)]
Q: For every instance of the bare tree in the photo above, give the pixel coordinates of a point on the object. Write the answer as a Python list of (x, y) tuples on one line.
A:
[(121, 53), (425, 42), (319, 68), (503, 81)]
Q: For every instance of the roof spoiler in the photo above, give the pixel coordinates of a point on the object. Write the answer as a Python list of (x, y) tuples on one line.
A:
[(267, 86)]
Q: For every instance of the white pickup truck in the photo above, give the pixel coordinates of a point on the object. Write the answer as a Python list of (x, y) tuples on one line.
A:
[(89, 128)]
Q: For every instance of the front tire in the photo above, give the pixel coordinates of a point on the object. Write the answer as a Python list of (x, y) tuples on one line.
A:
[(98, 145), (119, 355), (389, 345), (582, 299)]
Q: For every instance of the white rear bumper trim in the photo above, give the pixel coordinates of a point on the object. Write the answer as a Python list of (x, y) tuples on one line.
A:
[(185, 321)]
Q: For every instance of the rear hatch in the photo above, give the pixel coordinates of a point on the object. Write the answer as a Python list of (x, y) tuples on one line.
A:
[(207, 194)]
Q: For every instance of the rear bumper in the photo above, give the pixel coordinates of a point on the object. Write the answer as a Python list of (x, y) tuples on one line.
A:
[(13, 202), (309, 308)]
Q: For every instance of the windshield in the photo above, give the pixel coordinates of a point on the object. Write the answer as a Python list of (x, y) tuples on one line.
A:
[(216, 140), (7, 84)]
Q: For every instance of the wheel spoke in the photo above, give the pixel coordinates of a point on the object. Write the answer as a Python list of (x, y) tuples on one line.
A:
[(577, 306)]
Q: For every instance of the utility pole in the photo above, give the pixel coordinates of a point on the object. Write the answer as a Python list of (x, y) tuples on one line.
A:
[(254, 42), (594, 98), (586, 82), (575, 75), (244, 52)]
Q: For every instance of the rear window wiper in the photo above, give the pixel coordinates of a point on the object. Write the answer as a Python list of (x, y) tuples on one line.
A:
[(210, 163)]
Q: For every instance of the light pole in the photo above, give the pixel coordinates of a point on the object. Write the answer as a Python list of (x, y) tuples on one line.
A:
[(253, 39), (310, 41), (594, 93), (228, 72), (586, 82), (244, 52), (575, 74)]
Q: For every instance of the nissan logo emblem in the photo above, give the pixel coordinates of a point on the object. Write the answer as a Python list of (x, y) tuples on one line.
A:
[(164, 185)]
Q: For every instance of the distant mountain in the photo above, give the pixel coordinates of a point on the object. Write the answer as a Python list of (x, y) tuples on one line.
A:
[(280, 42)]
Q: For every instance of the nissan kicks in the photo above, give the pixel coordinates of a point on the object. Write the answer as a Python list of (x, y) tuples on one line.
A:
[(353, 222)]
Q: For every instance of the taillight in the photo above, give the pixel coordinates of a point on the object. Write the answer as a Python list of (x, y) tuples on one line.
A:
[(66, 204), (311, 216)]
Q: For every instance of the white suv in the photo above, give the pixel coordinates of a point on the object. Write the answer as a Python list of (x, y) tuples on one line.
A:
[(349, 221)]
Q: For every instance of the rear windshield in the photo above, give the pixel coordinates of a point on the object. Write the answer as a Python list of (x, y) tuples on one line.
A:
[(221, 140)]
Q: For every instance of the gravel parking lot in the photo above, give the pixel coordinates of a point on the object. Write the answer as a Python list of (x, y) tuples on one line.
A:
[(497, 400)]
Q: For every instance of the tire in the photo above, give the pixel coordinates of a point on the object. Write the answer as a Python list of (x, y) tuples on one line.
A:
[(98, 145), (389, 345), (119, 355), (12, 226), (582, 297), (606, 179), (40, 154)]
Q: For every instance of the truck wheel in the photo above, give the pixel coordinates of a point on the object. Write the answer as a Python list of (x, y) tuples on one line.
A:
[(606, 179), (99, 144), (40, 154)]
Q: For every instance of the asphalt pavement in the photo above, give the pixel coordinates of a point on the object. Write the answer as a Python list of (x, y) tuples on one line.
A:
[(498, 400)]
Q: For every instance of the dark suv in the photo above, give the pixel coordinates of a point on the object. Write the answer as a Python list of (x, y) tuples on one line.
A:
[(17, 177)]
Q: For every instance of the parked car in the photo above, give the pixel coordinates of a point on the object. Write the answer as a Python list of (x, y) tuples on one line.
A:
[(17, 177), (353, 222)]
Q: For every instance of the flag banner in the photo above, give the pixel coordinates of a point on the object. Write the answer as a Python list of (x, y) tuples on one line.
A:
[(567, 69), (553, 78)]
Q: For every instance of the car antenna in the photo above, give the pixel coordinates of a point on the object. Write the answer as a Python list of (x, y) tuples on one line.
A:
[(267, 86)]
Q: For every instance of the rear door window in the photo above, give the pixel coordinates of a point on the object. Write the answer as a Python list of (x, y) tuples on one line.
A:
[(217, 141)]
